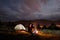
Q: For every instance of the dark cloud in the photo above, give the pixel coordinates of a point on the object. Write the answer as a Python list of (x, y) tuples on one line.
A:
[(14, 10)]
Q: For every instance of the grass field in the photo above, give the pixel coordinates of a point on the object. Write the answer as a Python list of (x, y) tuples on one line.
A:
[(42, 35)]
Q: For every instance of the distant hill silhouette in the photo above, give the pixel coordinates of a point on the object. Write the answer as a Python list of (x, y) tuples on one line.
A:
[(26, 23)]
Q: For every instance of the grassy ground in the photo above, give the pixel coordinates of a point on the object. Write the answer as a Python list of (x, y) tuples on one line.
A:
[(22, 37), (55, 32), (27, 36)]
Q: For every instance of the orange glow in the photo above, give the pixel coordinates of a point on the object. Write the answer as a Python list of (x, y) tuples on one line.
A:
[(40, 33), (21, 32)]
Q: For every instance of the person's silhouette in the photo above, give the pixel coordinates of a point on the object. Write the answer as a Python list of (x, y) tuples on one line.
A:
[(30, 28), (38, 27), (44, 27)]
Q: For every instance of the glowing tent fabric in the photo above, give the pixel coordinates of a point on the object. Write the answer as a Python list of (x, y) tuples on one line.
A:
[(19, 27)]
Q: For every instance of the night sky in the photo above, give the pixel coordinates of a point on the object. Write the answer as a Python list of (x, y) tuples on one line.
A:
[(15, 10)]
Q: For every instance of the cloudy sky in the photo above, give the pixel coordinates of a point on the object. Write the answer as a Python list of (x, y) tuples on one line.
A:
[(14, 10)]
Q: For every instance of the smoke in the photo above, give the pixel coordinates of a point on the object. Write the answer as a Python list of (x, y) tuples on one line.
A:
[(14, 10)]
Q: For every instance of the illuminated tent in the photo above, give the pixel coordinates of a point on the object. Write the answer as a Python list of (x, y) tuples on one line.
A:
[(19, 27)]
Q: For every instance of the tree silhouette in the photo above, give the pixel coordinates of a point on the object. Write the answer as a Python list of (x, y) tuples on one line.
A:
[(53, 27)]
